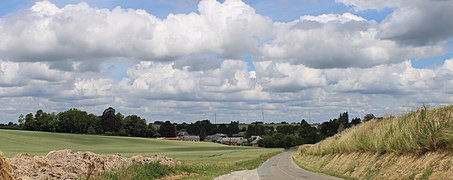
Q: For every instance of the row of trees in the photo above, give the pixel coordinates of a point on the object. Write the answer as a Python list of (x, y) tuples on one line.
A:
[(114, 123), (77, 121), (292, 135)]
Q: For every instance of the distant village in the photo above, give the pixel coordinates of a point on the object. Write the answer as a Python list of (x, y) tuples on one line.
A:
[(235, 139)]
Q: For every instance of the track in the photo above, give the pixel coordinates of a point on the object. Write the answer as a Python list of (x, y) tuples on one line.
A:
[(282, 167)]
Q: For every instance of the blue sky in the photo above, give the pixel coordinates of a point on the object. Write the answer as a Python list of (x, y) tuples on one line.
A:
[(287, 58)]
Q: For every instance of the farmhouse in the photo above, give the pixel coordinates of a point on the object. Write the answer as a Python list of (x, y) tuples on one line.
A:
[(232, 140), (214, 137), (184, 136), (255, 140)]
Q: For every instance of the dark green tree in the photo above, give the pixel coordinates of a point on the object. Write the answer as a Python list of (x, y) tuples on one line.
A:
[(167, 129), (108, 120), (135, 126), (30, 122), (355, 121)]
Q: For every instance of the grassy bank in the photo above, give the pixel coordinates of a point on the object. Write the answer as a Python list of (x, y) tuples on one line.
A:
[(415, 145), (204, 158), (419, 131)]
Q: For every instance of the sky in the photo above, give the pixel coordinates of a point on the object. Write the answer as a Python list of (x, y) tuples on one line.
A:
[(235, 60)]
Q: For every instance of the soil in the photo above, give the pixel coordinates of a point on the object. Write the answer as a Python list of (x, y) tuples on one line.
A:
[(66, 164)]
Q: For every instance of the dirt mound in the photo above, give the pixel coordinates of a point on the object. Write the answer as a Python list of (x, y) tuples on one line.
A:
[(65, 164), (5, 168)]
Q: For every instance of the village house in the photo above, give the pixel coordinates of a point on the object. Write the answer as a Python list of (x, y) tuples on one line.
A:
[(232, 140), (255, 140), (184, 136), (215, 137)]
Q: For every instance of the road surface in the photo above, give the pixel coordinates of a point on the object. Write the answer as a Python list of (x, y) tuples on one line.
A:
[(282, 167), (279, 167)]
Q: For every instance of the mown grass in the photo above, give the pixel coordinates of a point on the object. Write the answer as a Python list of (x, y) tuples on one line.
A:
[(206, 159), (419, 131)]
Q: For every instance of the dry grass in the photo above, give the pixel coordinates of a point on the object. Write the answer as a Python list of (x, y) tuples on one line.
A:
[(5, 168), (420, 131), (417, 145), (368, 165)]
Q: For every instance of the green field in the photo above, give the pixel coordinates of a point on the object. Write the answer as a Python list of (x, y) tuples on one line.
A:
[(211, 155)]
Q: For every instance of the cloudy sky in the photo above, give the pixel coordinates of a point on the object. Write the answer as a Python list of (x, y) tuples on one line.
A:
[(188, 60)]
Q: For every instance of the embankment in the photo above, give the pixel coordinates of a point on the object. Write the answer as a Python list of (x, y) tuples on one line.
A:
[(417, 145), (367, 165)]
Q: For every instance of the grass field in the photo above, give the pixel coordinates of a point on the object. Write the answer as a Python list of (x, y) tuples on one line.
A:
[(212, 157)]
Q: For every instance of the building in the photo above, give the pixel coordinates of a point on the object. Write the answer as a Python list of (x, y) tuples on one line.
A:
[(184, 136), (255, 140), (232, 140), (214, 137)]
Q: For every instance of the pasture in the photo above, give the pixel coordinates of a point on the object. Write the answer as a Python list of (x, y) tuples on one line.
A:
[(216, 158)]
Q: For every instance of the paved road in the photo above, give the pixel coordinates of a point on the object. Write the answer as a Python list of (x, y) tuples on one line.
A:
[(282, 167)]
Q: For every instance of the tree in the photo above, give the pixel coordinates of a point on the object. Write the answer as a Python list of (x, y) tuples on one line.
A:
[(368, 117), (21, 121), (308, 133), (108, 120), (151, 130), (30, 122), (135, 126), (167, 129), (233, 128), (329, 128), (355, 121), (222, 128), (74, 121), (285, 129), (202, 128), (255, 130)]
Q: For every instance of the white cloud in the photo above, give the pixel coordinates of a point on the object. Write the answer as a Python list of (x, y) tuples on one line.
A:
[(369, 4), (187, 67), (80, 32)]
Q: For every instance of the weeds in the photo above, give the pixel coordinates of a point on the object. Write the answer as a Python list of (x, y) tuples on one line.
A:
[(145, 172)]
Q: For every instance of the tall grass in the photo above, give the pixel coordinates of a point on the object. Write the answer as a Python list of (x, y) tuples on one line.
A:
[(418, 131)]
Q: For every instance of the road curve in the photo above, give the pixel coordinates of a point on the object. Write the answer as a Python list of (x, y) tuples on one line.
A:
[(282, 167)]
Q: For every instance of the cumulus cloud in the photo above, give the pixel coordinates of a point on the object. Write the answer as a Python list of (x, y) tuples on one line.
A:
[(420, 23), (413, 22), (80, 32), (186, 67)]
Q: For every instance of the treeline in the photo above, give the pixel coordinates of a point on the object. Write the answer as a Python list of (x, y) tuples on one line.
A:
[(115, 123), (80, 122), (286, 136)]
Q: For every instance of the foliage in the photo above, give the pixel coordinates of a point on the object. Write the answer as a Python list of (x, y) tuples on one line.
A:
[(108, 120), (136, 126), (281, 140), (80, 122), (167, 129), (202, 128)]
